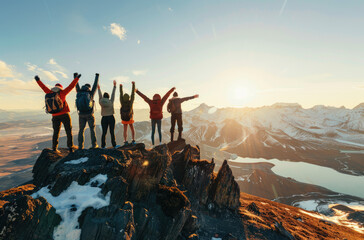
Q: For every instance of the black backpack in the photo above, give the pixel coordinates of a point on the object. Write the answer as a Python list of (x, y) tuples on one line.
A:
[(84, 102), (53, 103), (126, 112), (170, 106)]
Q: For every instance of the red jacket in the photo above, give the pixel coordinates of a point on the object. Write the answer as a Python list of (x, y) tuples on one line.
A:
[(63, 93), (156, 105)]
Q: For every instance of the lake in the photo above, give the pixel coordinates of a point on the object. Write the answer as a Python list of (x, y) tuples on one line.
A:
[(314, 174)]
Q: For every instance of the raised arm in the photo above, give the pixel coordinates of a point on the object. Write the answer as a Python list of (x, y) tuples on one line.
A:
[(188, 98), (132, 93), (121, 94), (143, 96), (41, 85), (113, 92), (96, 83), (166, 96), (77, 85), (68, 89), (100, 93)]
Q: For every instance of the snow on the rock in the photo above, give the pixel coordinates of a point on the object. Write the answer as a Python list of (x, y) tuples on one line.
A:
[(71, 202), (78, 161)]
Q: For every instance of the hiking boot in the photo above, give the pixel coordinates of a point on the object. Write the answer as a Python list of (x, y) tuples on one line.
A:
[(179, 135), (125, 144), (117, 146), (96, 146), (56, 150), (73, 148), (133, 142)]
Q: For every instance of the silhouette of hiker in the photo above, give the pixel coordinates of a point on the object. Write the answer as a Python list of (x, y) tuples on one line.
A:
[(57, 105), (126, 112), (156, 110), (85, 106), (174, 107), (107, 113)]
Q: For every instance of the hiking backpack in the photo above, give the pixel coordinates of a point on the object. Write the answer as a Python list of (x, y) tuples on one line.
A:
[(84, 102), (53, 103), (170, 106), (126, 112)]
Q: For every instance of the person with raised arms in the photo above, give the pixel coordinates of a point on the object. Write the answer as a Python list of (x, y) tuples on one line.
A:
[(107, 112), (56, 104), (156, 111), (127, 114), (85, 106)]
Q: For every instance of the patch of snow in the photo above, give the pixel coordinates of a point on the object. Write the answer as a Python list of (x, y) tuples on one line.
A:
[(337, 219), (78, 161), (350, 143), (71, 202)]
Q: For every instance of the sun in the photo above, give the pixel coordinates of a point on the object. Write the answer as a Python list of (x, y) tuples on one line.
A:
[(241, 95)]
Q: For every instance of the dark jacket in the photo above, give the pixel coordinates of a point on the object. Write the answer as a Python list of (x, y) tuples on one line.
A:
[(62, 93), (176, 101), (127, 100), (87, 89), (156, 105)]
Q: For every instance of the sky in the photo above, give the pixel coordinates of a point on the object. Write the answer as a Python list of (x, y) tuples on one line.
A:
[(231, 53)]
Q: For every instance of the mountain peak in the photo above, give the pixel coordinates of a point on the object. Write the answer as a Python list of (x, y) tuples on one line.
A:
[(286, 105), (359, 106)]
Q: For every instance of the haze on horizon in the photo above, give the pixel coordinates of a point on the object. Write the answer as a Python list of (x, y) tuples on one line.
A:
[(232, 53)]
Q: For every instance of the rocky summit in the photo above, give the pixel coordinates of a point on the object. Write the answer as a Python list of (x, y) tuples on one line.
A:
[(167, 192)]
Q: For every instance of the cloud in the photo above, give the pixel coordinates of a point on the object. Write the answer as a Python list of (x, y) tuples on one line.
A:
[(121, 79), (170, 9), (52, 61), (57, 69), (6, 70), (41, 72), (139, 72), (138, 42), (53, 70), (16, 86), (117, 30)]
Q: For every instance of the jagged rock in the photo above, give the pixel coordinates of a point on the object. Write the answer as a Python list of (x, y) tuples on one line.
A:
[(197, 179), (143, 173), (176, 145), (283, 231), (15, 193), (28, 218), (225, 192), (151, 194), (45, 164), (191, 226), (171, 199), (118, 188), (108, 222), (253, 208), (180, 161)]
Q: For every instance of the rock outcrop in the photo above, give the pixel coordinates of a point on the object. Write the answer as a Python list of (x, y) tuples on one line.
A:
[(134, 194)]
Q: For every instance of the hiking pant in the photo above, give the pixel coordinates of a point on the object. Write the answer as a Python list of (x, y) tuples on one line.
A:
[(83, 119), (57, 123), (106, 122), (176, 117), (159, 124)]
